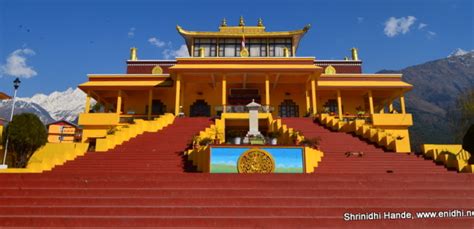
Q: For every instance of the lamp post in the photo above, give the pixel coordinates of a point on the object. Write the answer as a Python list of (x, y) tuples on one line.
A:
[(16, 85)]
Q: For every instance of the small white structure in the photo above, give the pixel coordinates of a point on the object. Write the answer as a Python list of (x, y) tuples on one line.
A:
[(253, 118)]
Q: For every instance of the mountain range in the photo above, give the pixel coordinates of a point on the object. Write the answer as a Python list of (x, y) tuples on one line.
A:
[(55, 106), (437, 85)]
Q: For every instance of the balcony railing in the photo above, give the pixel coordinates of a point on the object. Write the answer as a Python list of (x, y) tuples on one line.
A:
[(242, 109)]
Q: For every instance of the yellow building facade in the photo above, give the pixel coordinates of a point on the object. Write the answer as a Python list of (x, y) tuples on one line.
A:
[(229, 68), (63, 131)]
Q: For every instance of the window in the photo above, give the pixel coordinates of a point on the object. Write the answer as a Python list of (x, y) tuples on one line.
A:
[(257, 47), (277, 45), (229, 47), (209, 46)]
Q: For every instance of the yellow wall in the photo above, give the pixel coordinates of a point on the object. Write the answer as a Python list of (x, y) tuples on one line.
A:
[(166, 96), (54, 132), (457, 158), (213, 96), (277, 96), (49, 156), (135, 102), (350, 102)]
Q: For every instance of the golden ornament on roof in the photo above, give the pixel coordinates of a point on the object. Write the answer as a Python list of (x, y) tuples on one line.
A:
[(241, 22)]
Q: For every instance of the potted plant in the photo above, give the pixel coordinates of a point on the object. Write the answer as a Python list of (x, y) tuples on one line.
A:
[(235, 137), (360, 112), (294, 136), (216, 134), (273, 136), (325, 110), (111, 130), (195, 141), (256, 140), (205, 141)]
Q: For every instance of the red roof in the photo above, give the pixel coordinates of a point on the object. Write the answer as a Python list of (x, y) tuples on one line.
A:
[(4, 96)]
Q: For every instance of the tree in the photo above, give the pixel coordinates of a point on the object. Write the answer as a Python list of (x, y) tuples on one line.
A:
[(462, 117), (26, 133), (468, 143), (97, 108)]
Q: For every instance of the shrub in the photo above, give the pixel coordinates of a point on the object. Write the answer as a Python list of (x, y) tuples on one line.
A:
[(205, 141), (26, 133), (311, 142), (111, 130), (274, 134), (468, 143)]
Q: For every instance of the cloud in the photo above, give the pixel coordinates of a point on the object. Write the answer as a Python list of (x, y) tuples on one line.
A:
[(395, 26), (16, 64), (156, 42), (422, 25), (360, 20), (430, 34), (168, 51), (131, 32), (181, 52)]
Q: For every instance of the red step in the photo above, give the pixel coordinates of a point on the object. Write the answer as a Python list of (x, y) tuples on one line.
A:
[(142, 183)]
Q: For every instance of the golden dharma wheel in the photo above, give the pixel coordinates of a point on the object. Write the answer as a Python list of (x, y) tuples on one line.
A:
[(244, 52), (256, 161)]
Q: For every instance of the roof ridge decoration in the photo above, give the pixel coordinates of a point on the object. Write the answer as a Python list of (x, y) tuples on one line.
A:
[(226, 31)]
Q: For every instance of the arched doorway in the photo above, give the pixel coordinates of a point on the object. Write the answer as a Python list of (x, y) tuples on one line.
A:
[(200, 108), (288, 108), (157, 107)]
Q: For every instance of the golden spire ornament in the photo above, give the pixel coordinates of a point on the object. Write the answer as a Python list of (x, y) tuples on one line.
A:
[(241, 21), (260, 22), (224, 23)]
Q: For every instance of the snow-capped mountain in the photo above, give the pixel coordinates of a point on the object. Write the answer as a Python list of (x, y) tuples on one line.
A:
[(55, 106), (459, 52), (61, 105), (24, 107)]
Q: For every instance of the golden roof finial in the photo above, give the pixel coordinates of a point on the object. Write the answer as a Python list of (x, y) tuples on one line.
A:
[(241, 22), (307, 27), (260, 22), (133, 54), (355, 55), (224, 23)]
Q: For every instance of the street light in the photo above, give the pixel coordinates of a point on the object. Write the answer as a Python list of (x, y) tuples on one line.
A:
[(16, 85)]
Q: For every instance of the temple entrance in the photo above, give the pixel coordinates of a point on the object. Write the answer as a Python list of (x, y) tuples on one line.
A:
[(157, 107), (200, 108), (288, 108)]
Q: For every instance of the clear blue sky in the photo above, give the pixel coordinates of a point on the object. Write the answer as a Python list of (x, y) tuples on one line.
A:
[(73, 38)]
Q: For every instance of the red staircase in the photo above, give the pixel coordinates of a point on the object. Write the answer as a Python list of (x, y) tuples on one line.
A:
[(150, 152), (335, 145), (134, 186)]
